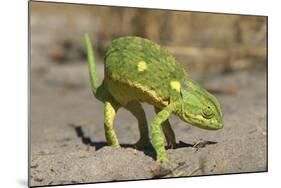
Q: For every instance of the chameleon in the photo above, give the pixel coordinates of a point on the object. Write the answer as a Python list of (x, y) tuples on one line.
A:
[(137, 70)]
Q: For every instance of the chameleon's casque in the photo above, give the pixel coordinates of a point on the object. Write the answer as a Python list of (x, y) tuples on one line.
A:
[(138, 70)]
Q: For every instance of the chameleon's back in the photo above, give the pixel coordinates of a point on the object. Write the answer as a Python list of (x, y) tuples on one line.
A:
[(138, 69)]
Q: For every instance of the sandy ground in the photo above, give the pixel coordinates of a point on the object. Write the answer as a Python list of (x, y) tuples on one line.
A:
[(67, 136), (68, 144)]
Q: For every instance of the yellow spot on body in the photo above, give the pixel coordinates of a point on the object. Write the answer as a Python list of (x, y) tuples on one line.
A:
[(142, 66), (175, 85)]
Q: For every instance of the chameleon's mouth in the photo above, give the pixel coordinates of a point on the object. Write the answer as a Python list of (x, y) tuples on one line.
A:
[(200, 122), (212, 127)]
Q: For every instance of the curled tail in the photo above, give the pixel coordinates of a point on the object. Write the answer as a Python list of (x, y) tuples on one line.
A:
[(91, 64)]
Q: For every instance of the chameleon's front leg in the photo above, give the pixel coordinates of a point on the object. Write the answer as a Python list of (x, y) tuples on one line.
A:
[(168, 131), (110, 110), (157, 135)]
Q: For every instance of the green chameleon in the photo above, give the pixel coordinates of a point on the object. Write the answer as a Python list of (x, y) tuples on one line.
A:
[(138, 70)]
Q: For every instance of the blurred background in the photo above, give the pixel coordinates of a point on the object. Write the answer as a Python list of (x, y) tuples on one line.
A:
[(205, 43), (227, 54)]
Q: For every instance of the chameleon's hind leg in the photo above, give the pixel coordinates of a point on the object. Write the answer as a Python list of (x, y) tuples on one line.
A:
[(168, 131), (137, 110), (110, 110)]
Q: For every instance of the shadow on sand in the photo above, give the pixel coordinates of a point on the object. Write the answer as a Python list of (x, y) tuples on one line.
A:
[(149, 151)]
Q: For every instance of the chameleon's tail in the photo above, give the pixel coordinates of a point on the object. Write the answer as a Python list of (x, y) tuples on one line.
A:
[(91, 64)]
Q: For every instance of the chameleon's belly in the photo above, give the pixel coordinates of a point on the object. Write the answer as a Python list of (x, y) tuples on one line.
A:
[(124, 92)]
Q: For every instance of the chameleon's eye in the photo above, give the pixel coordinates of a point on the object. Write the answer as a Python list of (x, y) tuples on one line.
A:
[(207, 113)]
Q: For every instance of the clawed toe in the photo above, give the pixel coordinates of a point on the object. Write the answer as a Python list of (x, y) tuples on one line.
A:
[(171, 145)]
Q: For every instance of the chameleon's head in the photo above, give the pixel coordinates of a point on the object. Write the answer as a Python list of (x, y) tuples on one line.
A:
[(200, 108)]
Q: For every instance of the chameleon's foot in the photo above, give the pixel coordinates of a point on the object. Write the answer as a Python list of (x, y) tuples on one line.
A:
[(142, 144), (162, 169), (166, 165), (167, 169), (171, 144), (113, 143), (116, 145)]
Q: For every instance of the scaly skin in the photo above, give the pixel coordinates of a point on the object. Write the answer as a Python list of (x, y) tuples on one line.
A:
[(168, 131), (138, 70)]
